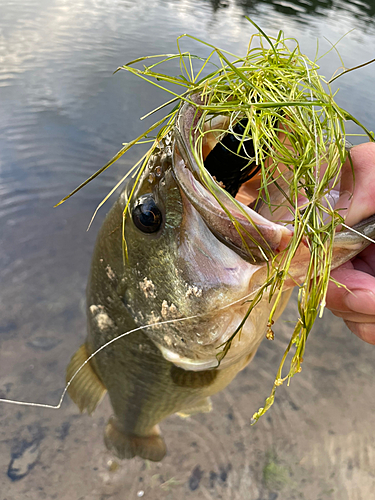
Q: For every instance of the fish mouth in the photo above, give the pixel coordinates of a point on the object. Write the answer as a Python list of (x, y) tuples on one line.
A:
[(255, 230), (230, 255), (253, 233), (206, 350), (254, 237)]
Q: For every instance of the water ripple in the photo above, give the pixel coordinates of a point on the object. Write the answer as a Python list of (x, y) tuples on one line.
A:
[(62, 116)]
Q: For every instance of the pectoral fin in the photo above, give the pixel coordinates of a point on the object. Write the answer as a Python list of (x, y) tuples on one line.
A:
[(123, 445), (202, 406), (86, 389)]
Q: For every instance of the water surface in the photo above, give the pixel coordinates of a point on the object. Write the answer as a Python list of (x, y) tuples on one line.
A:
[(62, 116)]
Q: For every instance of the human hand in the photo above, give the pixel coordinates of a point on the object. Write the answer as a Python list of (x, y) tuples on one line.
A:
[(356, 304)]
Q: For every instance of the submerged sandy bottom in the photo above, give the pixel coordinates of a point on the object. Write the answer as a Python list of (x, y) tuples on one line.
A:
[(317, 442)]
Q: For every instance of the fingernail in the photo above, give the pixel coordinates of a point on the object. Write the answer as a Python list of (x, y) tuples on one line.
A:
[(361, 301), (343, 203)]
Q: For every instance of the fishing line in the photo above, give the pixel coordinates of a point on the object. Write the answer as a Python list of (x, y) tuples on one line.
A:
[(357, 232), (58, 406)]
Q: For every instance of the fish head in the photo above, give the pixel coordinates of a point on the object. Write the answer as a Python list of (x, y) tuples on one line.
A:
[(183, 283), (191, 272)]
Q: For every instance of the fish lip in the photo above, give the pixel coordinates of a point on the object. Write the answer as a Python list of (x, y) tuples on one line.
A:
[(272, 237), (251, 337), (185, 362), (255, 238), (243, 345), (258, 239)]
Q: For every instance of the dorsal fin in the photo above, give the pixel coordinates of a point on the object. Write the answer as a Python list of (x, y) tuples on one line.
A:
[(86, 389)]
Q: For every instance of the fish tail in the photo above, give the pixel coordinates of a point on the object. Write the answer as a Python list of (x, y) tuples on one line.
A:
[(123, 445)]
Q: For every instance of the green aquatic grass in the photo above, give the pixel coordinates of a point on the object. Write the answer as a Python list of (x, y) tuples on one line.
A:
[(281, 93)]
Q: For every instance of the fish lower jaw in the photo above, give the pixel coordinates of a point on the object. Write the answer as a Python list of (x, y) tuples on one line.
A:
[(244, 346), (187, 363)]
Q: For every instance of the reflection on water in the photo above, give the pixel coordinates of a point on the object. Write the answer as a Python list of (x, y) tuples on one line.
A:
[(304, 11), (62, 116)]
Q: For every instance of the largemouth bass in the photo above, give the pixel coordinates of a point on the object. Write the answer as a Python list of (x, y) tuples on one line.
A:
[(187, 281)]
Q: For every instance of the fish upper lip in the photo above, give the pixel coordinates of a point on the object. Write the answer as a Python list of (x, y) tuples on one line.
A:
[(254, 237), (263, 237)]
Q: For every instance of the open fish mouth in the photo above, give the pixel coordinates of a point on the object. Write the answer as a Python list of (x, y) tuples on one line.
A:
[(254, 233), (256, 230), (245, 230), (240, 241)]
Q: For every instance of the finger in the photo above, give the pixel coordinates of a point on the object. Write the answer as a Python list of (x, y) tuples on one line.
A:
[(365, 331), (358, 195), (357, 295), (365, 261), (354, 317)]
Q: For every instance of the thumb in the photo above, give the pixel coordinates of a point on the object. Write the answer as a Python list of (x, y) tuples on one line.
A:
[(357, 196)]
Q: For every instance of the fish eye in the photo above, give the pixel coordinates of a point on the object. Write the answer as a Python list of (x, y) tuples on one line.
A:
[(146, 214)]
